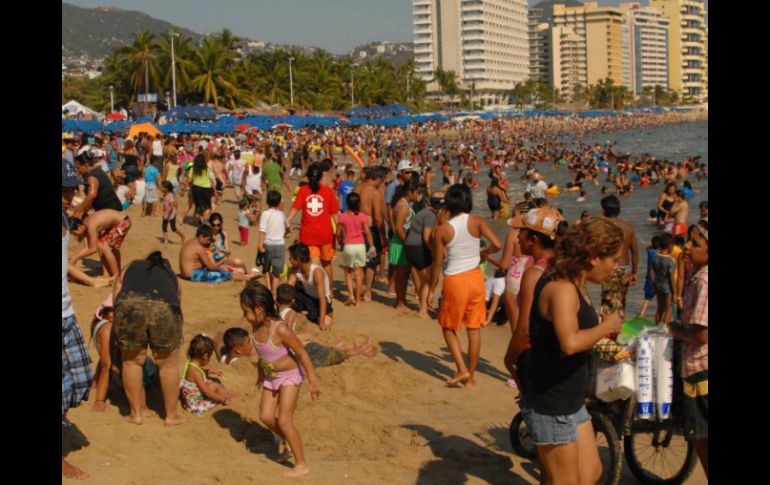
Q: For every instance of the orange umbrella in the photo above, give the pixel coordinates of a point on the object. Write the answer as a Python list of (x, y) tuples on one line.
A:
[(148, 128)]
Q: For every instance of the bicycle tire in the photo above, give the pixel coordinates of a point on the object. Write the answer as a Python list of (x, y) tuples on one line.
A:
[(663, 453), (521, 439), (610, 454)]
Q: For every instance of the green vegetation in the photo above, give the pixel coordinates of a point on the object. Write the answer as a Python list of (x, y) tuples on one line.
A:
[(213, 72)]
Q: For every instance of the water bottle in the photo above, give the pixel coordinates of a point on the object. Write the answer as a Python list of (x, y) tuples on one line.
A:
[(664, 373), (644, 392)]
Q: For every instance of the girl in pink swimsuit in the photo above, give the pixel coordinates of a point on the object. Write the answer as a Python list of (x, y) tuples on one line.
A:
[(279, 371)]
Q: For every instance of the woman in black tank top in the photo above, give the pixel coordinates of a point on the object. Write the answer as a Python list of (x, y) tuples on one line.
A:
[(564, 326)]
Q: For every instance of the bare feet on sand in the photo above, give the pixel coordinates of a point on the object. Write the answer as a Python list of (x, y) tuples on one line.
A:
[(101, 282), (423, 315), (132, 419), (459, 377), (367, 297), (100, 406), (403, 309), (297, 471), (350, 302), (173, 420), (70, 471)]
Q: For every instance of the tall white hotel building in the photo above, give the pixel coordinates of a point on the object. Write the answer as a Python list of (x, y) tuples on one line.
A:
[(485, 42)]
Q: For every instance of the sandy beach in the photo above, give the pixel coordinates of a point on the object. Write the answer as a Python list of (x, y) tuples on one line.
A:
[(389, 418)]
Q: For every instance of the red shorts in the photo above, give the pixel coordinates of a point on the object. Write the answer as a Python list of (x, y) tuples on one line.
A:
[(462, 301), (115, 235), (679, 229)]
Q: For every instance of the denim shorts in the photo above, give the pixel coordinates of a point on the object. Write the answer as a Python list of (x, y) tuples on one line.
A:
[(553, 430)]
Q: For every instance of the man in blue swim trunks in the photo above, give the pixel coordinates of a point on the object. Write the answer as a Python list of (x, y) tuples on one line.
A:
[(197, 264)]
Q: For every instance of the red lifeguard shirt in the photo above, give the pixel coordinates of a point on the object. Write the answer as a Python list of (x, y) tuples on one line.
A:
[(317, 209)]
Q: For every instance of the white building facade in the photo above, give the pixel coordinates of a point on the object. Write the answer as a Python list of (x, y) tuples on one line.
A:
[(648, 36), (485, 42)]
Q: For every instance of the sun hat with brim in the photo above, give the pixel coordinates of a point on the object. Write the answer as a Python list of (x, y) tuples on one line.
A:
[(69, 178), (544, 220), (404, 165)]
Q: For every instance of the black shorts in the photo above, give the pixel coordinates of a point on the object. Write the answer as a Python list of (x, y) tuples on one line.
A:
[(220, 187), (695, 403), (374, 263), (167, 222), (141, 321), (418, 256), (202, 198), (304, 302), (132, 173)]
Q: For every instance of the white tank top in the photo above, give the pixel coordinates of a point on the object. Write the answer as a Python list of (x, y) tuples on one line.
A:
[(310, 287), (253, 182), (463, 250)]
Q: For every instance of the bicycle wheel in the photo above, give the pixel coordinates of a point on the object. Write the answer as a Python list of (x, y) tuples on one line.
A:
[(521, 440), (609, 449), (658, 454)]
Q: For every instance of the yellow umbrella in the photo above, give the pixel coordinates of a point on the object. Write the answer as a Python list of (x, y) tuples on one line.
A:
[(148, 128)]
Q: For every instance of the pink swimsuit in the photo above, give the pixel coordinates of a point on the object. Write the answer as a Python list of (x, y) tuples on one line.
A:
[(269, 353)]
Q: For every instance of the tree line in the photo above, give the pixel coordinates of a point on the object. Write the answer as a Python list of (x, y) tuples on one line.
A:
[(215, 72)]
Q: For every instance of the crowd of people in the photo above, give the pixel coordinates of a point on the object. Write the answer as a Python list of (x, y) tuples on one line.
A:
[(394, 225)]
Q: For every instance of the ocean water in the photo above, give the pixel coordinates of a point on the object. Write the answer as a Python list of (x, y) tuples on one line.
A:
[(673, 142)]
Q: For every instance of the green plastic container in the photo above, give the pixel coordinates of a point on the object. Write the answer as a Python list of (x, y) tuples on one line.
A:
[(632, 328)]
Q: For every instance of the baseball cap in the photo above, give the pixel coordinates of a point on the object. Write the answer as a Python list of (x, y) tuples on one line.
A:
[(404, 165), (69, 178), (544, 220)]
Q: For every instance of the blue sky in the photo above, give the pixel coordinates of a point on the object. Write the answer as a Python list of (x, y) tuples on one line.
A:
[(334, 25)]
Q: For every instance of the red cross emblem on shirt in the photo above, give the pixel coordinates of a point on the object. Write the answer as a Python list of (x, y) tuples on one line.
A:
[(315, 205)]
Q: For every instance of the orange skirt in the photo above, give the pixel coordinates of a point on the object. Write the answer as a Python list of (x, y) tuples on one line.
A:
[(462, 301)]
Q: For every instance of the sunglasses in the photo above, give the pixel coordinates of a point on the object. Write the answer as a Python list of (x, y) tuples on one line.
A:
[(216, 225)]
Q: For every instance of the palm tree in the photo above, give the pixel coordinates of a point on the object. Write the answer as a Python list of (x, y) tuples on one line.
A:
[(184, 54), (213, 79), (230, 44), (451, 85), (142, 56)]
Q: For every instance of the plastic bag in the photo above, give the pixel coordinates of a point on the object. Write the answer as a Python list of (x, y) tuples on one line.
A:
[(615, 382)]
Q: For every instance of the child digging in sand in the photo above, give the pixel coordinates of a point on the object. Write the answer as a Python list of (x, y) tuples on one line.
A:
[(199, 394), (279, 374), (310, 280)]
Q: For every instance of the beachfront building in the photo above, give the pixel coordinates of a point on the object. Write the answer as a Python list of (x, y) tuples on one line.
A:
[(648, 38), (574, 44), (687, 46), (485, 42), (568, 68)]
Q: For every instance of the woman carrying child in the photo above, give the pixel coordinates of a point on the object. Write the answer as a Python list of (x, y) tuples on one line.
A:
[(279, 374)]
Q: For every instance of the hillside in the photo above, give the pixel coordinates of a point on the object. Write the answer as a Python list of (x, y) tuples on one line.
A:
[(93, 31)]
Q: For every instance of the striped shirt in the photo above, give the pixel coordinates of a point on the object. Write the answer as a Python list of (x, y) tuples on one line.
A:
[(695, 314)]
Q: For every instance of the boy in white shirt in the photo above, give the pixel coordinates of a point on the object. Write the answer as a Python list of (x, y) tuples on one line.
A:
[(273, 228)]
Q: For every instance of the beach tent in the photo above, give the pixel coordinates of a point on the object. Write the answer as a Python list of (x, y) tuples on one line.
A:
[(73, 107), (135, 129)]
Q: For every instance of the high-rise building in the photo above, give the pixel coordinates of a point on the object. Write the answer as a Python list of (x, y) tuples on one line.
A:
[(648, 38), (485, 42), (567, 56), (539, 23), (687, 57), (574, 44)]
